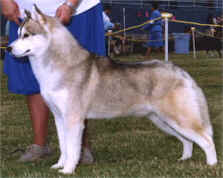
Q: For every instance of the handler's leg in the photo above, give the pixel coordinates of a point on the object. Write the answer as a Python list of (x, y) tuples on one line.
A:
[(39, 115), (148, 52)]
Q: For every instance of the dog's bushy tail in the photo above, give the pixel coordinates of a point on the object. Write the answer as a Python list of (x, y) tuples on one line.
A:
[(203, 107)]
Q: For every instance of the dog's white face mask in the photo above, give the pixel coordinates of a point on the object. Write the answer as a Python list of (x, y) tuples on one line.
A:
[(33, 36)]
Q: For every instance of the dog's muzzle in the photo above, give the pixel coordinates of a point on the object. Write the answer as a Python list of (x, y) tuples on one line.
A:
[(21, 58)]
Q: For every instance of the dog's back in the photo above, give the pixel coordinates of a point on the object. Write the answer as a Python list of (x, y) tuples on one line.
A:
[(122, 85)]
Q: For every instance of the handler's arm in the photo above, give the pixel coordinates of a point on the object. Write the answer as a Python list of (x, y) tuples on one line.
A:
[(10, 10), (74, 2), (65, 11)]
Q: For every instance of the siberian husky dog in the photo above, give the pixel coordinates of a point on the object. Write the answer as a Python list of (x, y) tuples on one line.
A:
[(77, 85)]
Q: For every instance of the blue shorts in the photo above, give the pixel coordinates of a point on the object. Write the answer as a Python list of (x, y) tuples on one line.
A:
[(87, 28), (155, 40)]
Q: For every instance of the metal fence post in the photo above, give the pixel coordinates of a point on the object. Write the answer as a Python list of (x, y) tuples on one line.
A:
[(194, 45), (166, 38), (166, 15), (109, 42)]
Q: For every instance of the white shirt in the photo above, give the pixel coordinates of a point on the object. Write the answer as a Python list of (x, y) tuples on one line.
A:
[(107, 23), (49, 7)]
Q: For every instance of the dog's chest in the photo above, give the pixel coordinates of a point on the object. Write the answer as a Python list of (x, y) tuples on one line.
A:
[(46, 75), (55, 99), (54, 94)]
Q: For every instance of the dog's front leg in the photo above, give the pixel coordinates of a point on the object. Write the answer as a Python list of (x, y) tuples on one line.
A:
[(73, 137), (59, 121)]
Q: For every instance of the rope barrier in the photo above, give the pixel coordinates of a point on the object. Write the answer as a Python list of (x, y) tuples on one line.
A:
[(149, 21), (3, 43), (170, 38), (133, 27), (176, 21), (195, 23)]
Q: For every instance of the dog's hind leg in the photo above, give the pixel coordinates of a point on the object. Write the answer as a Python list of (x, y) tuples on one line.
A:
[(203, 139), (73, 137), (187, 144), (183, 109)]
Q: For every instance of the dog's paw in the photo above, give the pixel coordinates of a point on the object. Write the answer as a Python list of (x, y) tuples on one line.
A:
[(57, 166), (184, 157), (66, 171), (212, 162)]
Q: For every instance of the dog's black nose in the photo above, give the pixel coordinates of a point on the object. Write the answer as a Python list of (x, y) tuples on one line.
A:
[(9, 48)]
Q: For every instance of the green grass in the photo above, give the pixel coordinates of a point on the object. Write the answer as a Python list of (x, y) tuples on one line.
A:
[(123, 147)]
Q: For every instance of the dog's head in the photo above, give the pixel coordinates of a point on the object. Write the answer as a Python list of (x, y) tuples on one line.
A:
[(34, 34)]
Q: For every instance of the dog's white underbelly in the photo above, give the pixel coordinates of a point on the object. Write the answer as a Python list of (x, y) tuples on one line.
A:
[(102, 115), (138, 110)]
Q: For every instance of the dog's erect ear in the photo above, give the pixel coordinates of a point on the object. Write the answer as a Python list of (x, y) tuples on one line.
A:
[(28, 14), (39, 15)]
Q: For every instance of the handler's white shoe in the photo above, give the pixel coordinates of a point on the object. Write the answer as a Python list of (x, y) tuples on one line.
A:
[(35, 152)]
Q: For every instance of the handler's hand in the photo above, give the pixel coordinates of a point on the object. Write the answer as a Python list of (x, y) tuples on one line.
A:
[(64, 13), (10, 10)]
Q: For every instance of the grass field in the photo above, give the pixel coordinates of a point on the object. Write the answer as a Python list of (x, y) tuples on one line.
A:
[(123, 147)]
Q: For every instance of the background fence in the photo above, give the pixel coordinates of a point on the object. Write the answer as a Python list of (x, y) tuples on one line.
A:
[(170, 3), (138, 11)]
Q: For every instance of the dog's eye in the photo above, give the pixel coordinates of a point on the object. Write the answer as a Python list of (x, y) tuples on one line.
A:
[(25, 35)]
